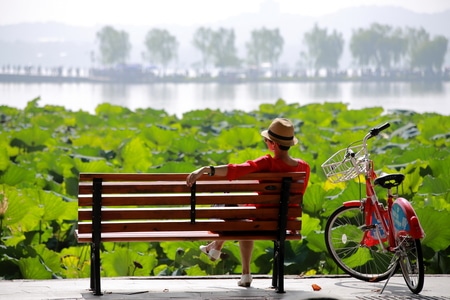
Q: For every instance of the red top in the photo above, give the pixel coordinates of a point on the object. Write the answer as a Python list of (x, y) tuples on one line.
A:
[(267, 164)]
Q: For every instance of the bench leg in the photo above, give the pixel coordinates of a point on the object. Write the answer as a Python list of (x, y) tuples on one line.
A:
[(279, 244), (96, 234), (275, 265), (95, 270), (92, 267), (278, 267), (280, 259)]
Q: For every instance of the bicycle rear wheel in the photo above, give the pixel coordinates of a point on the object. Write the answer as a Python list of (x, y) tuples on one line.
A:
[(411, 263), (346, 238)]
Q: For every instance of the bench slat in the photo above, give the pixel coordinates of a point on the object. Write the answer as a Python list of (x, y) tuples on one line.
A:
[(160, 187), (218, 226), (177, 236), (173, 200), (246, 212), (182, 176)]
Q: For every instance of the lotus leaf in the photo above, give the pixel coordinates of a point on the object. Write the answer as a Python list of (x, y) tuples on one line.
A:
[(435, 225), (125, 262), (32, 268), (135, 156), (309, 224)]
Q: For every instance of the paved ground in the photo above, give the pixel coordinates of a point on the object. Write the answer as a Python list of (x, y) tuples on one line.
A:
[(222, 288)]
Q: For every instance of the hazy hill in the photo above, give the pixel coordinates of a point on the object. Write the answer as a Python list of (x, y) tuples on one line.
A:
[(55, 44)]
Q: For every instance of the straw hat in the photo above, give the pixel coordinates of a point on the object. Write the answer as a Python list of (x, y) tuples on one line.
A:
[(281, 131)]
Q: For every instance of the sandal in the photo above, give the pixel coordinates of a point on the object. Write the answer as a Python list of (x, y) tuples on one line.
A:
[(246, 280), (213, 254)]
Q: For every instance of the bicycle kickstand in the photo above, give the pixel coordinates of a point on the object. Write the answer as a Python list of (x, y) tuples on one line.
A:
[(390, 275)]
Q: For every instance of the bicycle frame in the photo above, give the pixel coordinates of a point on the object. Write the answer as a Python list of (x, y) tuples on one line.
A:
[(396, 220)]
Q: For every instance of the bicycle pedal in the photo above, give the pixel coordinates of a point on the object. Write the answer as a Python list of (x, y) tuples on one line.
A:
[(368, 227)]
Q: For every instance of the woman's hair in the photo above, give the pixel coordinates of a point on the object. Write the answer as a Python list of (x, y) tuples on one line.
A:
[(285, 148)]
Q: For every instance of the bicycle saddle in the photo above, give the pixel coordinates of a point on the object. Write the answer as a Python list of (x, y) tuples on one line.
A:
[(389, 181)]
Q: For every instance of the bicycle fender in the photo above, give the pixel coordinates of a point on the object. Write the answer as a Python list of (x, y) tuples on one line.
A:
[(352, 203), (405, 219)]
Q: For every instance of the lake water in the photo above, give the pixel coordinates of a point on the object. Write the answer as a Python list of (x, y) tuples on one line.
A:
[(180, 98)]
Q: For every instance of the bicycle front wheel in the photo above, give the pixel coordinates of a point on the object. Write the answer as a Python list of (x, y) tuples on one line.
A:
[(352, 248), (411, 263)]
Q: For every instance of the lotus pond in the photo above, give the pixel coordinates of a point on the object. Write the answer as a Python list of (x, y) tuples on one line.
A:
[(43, 149)]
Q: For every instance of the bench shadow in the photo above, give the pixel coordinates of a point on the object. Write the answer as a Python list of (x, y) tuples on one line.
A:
[(217, 293)]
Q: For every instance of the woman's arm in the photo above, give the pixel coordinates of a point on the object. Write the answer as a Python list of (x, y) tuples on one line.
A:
[(206, 170)]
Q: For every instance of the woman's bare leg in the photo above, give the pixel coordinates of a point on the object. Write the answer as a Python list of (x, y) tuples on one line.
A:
[(246, 248)]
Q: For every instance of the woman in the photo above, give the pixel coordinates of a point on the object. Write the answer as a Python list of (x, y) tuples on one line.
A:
[(279, 137)]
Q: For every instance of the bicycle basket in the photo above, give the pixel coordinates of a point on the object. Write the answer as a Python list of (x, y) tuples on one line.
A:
[(339, 168)]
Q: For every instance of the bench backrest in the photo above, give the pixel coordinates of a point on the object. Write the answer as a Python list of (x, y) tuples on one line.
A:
[(160, 203)]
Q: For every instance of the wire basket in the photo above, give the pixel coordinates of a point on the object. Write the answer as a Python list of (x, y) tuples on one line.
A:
[(339, 167)]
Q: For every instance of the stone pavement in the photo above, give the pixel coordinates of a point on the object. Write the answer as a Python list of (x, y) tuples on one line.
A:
[(437, 287)]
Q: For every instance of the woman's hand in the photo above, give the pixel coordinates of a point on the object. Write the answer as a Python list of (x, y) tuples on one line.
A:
[(191, 178)]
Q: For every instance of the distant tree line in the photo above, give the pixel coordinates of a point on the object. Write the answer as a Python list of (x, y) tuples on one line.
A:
[(382, 47)]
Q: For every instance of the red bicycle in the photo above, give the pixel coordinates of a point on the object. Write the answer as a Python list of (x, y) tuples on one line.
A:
[(367, 239)]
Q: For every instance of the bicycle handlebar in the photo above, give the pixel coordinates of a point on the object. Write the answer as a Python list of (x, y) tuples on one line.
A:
[(376, 130)]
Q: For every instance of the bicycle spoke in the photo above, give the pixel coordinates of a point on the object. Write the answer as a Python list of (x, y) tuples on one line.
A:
[(411, 263), (345, 238)]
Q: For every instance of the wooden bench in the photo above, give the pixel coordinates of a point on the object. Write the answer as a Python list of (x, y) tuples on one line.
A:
[(161, 207)]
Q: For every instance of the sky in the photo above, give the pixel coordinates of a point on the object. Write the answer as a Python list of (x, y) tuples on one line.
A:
[(179, 12)]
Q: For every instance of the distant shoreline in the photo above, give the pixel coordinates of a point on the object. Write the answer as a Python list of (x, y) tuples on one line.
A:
[(26, 78)]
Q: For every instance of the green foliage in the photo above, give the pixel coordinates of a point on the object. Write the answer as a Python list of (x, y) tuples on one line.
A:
[(43, 149), (216, 46), (383, 46), (324, 50), (265, 46), (162, 47), (114, 45), (435, 223), (127, 261)]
